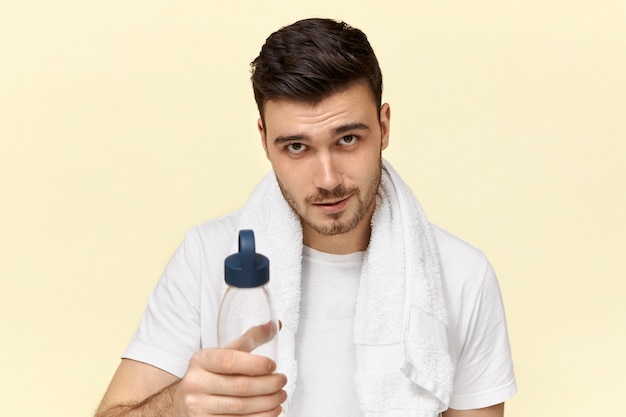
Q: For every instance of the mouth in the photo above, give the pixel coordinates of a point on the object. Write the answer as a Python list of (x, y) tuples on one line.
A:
[(331, 207)]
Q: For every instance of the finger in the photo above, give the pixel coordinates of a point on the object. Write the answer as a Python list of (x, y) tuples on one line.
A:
[(254, 337), (272, 413), (230, 362), (276, 412), (244, 405), (246, 386)]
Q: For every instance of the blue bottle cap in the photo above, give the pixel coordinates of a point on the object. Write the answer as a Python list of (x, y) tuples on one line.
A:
[(246, 269)]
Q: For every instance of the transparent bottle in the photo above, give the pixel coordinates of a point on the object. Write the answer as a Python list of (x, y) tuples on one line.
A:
[(247, 302)]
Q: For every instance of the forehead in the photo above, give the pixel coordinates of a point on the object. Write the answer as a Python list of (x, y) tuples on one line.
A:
[(353, 104)]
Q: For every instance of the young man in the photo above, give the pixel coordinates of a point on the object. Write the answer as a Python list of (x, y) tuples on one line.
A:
[(383, 314)]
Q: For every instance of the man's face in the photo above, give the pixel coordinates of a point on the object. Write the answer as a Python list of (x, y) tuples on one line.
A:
[(327, 157)]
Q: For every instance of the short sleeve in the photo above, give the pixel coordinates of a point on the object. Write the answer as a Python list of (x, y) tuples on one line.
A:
[(484, 373), (169, 330)]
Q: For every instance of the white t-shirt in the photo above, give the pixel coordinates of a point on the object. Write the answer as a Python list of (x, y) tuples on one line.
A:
[(324, 344), (182, 312)]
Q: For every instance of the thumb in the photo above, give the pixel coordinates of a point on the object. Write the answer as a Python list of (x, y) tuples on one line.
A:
[(254, 337)]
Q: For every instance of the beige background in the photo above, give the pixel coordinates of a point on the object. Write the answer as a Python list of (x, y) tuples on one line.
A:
[(123, 124)]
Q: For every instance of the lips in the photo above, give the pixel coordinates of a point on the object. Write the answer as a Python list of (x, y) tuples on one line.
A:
[(333, 206)]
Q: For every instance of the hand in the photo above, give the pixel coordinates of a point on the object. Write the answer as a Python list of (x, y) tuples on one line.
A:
[(232, 381)]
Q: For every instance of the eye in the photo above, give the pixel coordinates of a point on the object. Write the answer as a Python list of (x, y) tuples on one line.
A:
[(296, 148), (348, 140)]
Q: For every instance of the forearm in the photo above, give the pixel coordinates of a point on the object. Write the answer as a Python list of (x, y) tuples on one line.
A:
[(162, 404)]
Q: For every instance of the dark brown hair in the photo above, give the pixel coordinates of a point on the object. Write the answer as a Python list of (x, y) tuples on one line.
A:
[(311, 59)]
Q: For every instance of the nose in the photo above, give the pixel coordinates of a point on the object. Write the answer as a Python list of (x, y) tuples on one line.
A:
[(327, 175)]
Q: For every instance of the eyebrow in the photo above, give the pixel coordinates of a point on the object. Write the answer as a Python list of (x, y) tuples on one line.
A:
[(337, 131), (351, 126), (291, 138)]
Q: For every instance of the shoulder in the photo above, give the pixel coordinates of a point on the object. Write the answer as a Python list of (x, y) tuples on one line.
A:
[(215, 233), (218, 227), (460, 261), (207, 242), (466, 275)]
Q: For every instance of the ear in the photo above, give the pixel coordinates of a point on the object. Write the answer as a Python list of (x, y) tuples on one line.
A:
[(385, 121), (259, 125)]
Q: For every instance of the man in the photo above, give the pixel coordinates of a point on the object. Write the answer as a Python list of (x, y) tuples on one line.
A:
[(383, 313)]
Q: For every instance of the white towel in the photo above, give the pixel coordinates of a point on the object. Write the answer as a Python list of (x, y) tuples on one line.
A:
[(400, 318)]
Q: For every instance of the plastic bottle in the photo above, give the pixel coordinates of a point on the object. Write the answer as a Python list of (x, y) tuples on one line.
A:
[(247, 301)]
